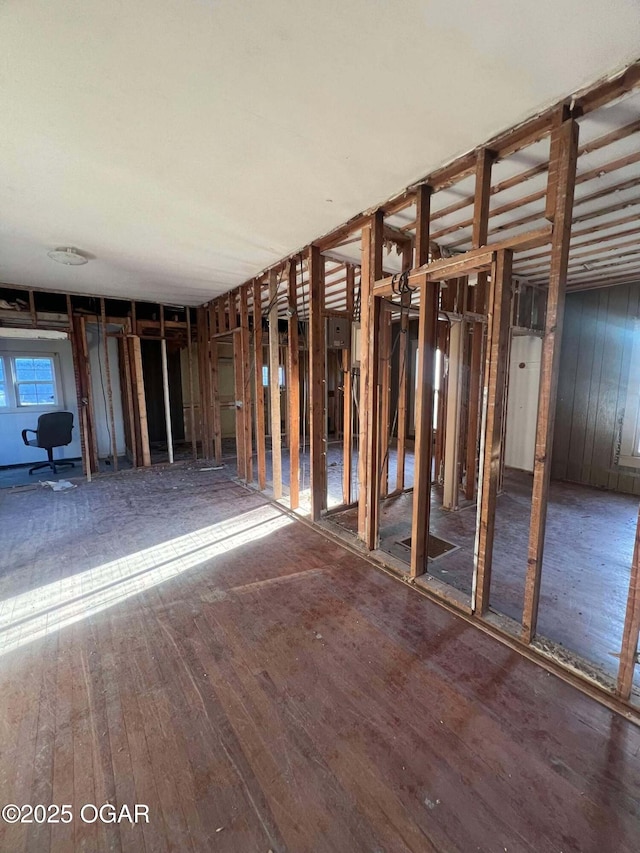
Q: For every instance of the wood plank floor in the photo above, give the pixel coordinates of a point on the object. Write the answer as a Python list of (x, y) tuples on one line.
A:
[(586, 567), (169, 638)]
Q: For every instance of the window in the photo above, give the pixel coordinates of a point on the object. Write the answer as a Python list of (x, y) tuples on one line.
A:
[(265, 375), (28, 381), (629, 452), (3, 384)]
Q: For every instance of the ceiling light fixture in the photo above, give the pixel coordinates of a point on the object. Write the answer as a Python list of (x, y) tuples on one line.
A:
[(69, 256)]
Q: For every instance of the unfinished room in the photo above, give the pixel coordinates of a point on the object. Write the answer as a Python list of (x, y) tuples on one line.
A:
[(320, 427)]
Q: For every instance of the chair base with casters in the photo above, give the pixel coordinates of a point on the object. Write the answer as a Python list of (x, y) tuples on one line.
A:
[(54, 430), (52, 463)]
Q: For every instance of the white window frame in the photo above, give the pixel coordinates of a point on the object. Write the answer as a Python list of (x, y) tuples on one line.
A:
[(629, 455), (265, 375), (11, 383)]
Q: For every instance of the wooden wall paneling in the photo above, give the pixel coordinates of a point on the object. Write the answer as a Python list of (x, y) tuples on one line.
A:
[(567, 384), (139, 401), (629, 650), (597, 456), (368, 473), (293, 386), (610, 402), (274, 387), (423, 454), (258, 358), (495, 380), (625, 480), (192, 410), (107, 371), (317, 369), (165, 387), (247, 419), (567, 156)]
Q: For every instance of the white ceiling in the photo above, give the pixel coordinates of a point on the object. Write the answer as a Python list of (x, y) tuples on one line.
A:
[(188, 144)]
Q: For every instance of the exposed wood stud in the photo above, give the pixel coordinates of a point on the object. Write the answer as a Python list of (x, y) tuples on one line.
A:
[(384, 378), (246, 382), (451, 456), (238, 389), (317, 425), (165, 387), (258, 361), (494, 394), (130, 411), (423, 458), (423, 205), (368, 472), (274, 387), (32, 309), (293, 387), (629, 650), (192, 414), (567, 155), (347, 394), (139, 401), (484, 161), (107, 370)]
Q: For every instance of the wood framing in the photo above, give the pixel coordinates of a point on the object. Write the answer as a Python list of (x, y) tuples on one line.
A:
[(368, 460), (293, 385), (245, 348), (423, 458), (317, 424), (192, 415), (274, 387), (403, 391), (384, 375), (139, 401), (495, 374), (107, 370), (567, 156), (165, 387), (347, 394), (629, 650), (238, 387), (484, 161), (258, 387)]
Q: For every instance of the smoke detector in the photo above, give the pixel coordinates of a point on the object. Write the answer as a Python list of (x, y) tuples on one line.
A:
[(69, 256)]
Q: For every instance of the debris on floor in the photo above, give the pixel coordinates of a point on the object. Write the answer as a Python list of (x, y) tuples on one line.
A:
[(58, 486)]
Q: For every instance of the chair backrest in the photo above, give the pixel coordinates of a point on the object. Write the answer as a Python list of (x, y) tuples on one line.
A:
[(54, 429)]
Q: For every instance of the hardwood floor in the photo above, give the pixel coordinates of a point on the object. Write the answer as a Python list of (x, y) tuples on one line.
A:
[(171, 639), (586, 567)]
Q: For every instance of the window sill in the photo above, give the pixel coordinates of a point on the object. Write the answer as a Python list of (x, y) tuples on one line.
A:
[(629, 461)]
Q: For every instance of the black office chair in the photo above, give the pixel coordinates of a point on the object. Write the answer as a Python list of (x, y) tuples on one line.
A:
[(54, 430)]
